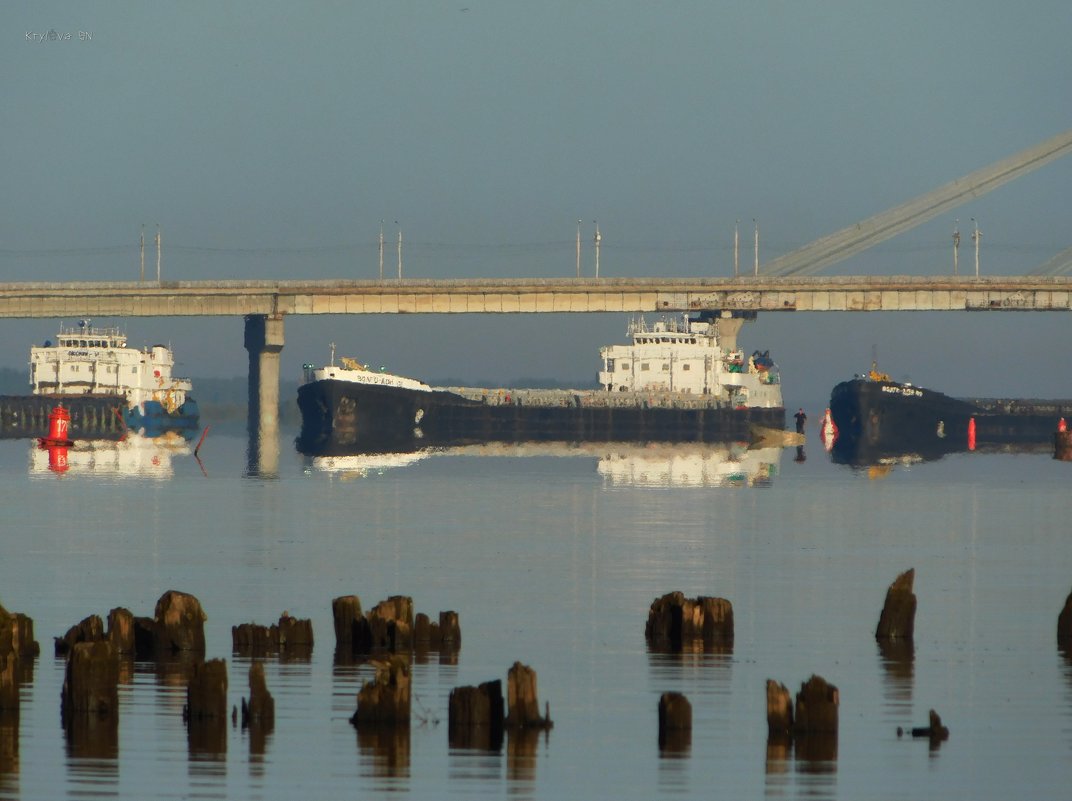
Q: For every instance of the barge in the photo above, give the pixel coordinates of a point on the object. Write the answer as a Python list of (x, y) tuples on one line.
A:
[(680, 379), (878, 418)]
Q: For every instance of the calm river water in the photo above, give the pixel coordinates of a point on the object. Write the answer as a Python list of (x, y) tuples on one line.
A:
[(552, 558)]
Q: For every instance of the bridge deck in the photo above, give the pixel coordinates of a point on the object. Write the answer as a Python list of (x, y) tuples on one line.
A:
[(495, 296)]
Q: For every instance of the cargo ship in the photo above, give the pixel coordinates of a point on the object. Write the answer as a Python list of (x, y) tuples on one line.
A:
[(878, 418), (106, 386), (680, 379)]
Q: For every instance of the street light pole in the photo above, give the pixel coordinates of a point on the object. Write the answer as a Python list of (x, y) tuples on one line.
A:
[(976, 236), (956, 243), (578, 248)]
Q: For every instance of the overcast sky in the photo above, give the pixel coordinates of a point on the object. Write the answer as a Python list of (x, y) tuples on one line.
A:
[(268, 140)]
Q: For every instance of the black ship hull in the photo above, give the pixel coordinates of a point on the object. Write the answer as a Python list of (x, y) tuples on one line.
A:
[(886, 419), (346, 414)]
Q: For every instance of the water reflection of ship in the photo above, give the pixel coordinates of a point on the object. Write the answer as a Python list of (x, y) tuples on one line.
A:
[(134, 455), (619, 463), (879, 465)]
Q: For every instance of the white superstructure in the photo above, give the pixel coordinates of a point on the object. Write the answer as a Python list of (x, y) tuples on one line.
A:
[(354, 372), (686, 356), (88, 360)]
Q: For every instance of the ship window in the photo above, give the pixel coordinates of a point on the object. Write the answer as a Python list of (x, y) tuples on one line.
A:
[(686, 367), (666, 367), (623, 365), (133, 369), (643, 365)]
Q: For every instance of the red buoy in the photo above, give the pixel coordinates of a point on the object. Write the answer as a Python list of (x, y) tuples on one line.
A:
[(1062, 425), (971, 434), (59, 424)]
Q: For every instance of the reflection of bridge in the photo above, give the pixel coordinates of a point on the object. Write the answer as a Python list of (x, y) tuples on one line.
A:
[(779, 286)]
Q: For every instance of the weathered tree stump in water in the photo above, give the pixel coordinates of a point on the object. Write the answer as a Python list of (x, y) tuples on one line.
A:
[(675, 722), (206, 694), (391, 624), (350, 626), (385, 699), (121, 630), (17, 650), (89, 629), (450, 631), (180, 623), (898, 618), (294, 633), (779, 710), (91, 682), (522, 701), (260, 710), (817, 707), (676, 622), (475, 716), (1064, 626), (254, 640)]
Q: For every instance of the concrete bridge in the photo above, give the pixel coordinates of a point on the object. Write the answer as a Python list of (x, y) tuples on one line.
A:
[(266, 304)]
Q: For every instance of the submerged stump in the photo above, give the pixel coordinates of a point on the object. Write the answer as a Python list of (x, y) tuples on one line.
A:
[(676, 622), (206, 693), (817, 707), (475, 718), (523, 703), (89, 629), (898, 618), (180, 623), (1064, 626), (385, 699), (121, 630), (91, 681), (259, 711), (675, 722), (779, 711)]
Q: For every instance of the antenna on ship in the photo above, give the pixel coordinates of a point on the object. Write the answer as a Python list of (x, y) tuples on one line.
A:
[(332, 354), (158, 246), (142, 242), (399, 252)]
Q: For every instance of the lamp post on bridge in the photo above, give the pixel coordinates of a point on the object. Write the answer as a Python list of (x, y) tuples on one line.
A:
[(578, 248), (956, 243), (976, 236), (598, 239)]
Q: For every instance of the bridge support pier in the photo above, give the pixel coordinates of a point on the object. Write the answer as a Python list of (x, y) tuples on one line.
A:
[(264, 341)]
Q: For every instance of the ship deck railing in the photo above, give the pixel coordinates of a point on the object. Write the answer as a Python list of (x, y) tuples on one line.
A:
[(589, 398)]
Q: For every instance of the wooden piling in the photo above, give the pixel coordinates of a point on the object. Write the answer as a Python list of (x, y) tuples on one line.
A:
[(898, 617), (675, 722), (91, 681)]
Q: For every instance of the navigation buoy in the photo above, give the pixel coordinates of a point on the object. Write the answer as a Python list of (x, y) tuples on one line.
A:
[(1062, 425), (971, 434), (828, 431), (59, 424)]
